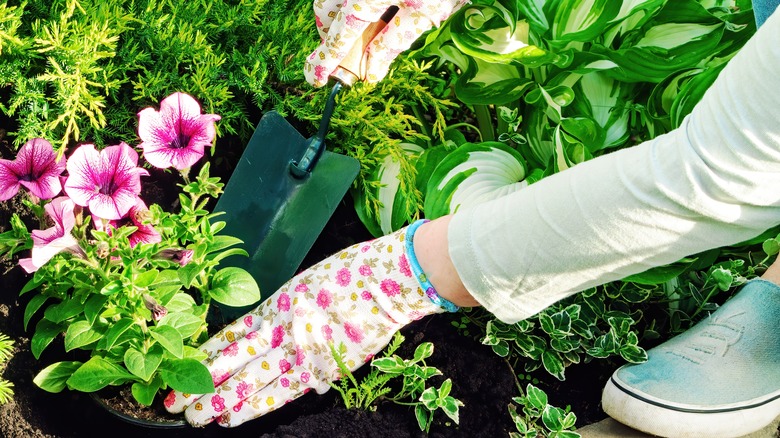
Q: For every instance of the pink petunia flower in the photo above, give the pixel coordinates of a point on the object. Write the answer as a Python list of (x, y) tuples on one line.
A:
[(177, 134), (36, 167), (177, 255), (108, 182), (283, 303), (51, 241), (144, 233), (158, 310), (390, 287), (324, 298), (343, 277), (354, 333)]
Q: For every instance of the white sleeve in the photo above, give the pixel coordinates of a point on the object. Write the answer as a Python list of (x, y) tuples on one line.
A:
[(714, 181)]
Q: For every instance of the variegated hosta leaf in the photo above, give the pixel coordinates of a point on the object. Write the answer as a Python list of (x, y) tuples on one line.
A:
[(679, 37), (392, 212), (472, 174), (494, 34), (582, 20), (632, 16), (606, 101), (485, 83)]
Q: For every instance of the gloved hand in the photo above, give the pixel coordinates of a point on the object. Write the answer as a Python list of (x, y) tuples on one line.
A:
[(358, 297), (341, 22)]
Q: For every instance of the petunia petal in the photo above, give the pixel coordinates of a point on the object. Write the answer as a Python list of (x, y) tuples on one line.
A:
[(9, 182)]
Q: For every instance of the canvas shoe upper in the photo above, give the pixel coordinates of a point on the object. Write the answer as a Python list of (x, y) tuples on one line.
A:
[(721, 378)]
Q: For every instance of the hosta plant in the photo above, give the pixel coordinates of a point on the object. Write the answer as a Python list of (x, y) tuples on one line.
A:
[(128, 285)]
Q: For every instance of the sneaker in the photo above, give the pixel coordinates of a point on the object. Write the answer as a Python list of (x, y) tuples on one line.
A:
[(721, 378)]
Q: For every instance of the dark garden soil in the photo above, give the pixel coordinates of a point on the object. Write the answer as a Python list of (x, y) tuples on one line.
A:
[(483, 381)]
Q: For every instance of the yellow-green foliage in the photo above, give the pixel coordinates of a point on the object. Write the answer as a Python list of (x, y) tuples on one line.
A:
[(76, 70)]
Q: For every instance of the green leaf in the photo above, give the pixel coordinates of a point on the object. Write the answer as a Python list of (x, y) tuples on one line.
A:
[(180, 302), (770, 247), (393, 208), (169, 338), (553, 363), (188, 274), (536, 397), (186, 323), (144, 393), (63, 310), (222, 242), (80, 334), (450, 406), (423, 416), (94, 307), (633, 353), (582, 20), (234, 287), (143, 365), (187, 375), (551, 417), (112, 288), (114, 332), (194, 353), (429, 398), (146, 278), (45, 332), (423, 351), (53, 377), (96, 374), (35, 303), (389, 365)]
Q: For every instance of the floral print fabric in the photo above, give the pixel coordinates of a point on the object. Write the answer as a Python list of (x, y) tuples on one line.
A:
[(341, 22), (355, 300)]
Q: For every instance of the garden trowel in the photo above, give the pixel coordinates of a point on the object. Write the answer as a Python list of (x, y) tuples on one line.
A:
[(285, 188)]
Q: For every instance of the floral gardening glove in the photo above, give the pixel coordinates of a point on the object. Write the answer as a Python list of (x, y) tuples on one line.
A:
[(341, 22), (355, 299)]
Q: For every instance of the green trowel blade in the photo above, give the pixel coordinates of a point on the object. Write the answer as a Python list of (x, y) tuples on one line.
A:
[(277, 215)]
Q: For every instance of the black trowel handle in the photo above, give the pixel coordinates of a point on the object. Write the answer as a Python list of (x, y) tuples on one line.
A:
[(353, 67)]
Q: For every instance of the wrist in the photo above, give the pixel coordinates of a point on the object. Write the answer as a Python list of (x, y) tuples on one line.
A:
[(432, 252)]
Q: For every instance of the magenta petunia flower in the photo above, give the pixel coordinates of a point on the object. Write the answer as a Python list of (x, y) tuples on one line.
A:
[(177, 134), (36, 167), (145, 233), (51, 241), (108, 182)]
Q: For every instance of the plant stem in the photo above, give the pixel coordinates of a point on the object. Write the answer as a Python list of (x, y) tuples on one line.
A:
[(485, 122)]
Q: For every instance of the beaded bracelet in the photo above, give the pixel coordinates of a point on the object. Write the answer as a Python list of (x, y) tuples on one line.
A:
[(426, 285)]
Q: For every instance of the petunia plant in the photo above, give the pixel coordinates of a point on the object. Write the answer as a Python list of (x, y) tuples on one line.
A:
[(128, 285)]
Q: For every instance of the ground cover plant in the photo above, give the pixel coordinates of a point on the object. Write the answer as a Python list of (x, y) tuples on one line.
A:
[(504, 94)]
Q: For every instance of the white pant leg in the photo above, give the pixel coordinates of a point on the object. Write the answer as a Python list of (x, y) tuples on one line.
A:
[(713, 182)]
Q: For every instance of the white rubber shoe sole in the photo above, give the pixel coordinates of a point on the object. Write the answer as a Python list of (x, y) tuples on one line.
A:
[(657, 417)]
